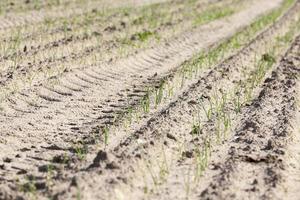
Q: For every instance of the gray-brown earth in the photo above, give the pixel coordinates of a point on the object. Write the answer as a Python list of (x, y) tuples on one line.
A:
[(149, 99)]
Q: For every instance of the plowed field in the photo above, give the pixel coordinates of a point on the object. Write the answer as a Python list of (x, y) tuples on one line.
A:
[(149, 99)]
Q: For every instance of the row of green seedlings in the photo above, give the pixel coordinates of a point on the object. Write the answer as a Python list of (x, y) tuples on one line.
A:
[(205, 17), (242, 94), (223, 50), (268, 59), (141, 36), (190, 70), (215, 111), (262, 66), (8, 48), (16, 60), (216, 105), (162, 91), (207, 58), (212, 13), (201, 163), (159, 176), (201, 156)]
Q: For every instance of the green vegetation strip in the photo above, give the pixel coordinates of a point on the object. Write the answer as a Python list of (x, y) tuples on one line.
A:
[(223, 106), (153, 16), (217, 54), (191, 69), (214, 14), (243, 93)]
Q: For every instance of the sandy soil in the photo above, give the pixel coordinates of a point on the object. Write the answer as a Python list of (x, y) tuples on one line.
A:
[(174, 117)]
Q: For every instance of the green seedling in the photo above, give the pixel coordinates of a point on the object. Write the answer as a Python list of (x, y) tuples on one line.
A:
[(78, 193), (105, 132), (201, 158), (30, 188), (237, 100), (159, 94), (218, 129), (50, 172), (196, 129), (80, 151), (226, 123), (129, 114), (208, 111), (146, 103), (143, 36), (170, 91)]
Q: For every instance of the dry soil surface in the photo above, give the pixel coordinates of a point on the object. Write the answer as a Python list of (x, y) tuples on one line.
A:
[(150, 99)]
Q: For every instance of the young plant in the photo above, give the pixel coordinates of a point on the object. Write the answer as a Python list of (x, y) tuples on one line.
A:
[(80, 151), (129, 114), (105, 132), (159, 94), (208, 111), (170, 91), (30, 188), (218, 129), (237, 100), (196, 128), (146, 103), (201, 158), (50, 172), (78, 193)]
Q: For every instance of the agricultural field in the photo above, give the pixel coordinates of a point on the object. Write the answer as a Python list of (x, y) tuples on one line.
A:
[(149, 99)]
